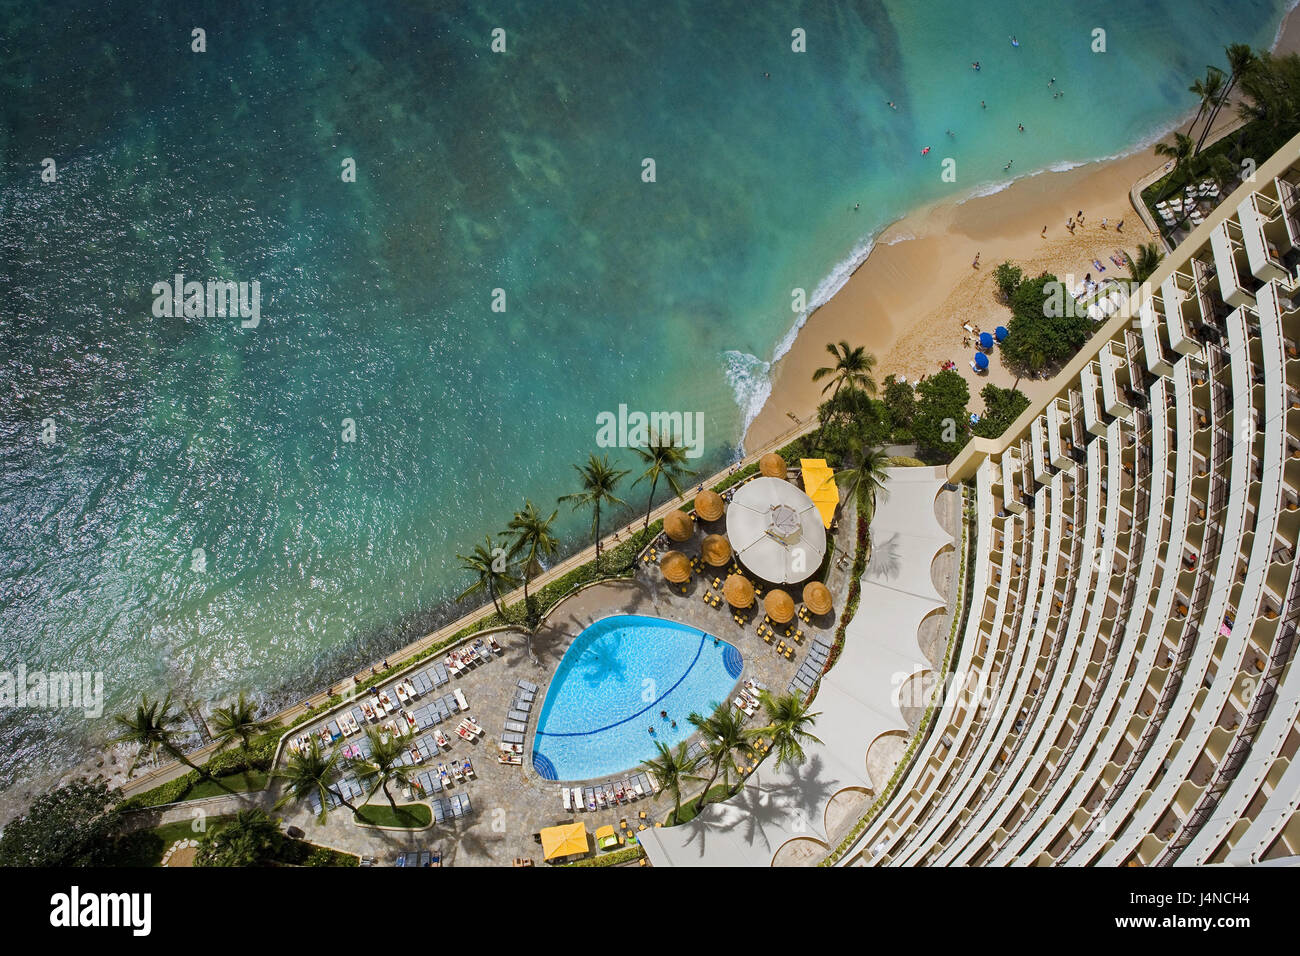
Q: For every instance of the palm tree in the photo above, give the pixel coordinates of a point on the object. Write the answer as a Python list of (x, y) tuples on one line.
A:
[(153, 728), (308, 772), (239, 722), (1209, 90), (250, 839), (384, 765), (1183, 152), (725, 736), (865, 477), (492, 573), (663, 459), (853, 367), (1241, 59), (672, 770), (789, 723), (1148, 260), (532, 538), (598, 483)]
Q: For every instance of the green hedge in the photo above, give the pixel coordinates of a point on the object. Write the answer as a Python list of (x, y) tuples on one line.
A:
[(617, 858)]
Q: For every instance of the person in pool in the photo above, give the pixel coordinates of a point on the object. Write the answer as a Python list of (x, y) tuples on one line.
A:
[(664, 714), (975, 66)]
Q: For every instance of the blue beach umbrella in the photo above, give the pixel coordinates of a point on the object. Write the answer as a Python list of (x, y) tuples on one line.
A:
[(981, 360), (986, 340), (1001, 332)]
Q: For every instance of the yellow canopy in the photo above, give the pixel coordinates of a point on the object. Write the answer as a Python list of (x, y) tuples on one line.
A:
[(567, 840), (819, 485)]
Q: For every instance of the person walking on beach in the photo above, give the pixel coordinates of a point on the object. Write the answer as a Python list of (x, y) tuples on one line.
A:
[(1079, 216), (976, 263), (1119, 226), (1103, 222), (1043, 234)]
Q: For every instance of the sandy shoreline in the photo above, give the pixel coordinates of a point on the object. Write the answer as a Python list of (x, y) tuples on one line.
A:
[(908, 300)]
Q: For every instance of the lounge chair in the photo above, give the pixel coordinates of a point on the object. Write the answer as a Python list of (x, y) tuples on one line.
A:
[(516, 726), (511, 738), (525, 685), (519, 715), (460, 699)]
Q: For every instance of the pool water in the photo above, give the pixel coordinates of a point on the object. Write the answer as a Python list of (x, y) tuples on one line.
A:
[(614, 680)]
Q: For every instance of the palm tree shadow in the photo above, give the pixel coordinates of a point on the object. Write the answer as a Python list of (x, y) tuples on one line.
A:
[(778, 805), (886, 562)]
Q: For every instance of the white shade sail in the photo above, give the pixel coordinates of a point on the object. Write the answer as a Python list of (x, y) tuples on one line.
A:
[(776, 530)]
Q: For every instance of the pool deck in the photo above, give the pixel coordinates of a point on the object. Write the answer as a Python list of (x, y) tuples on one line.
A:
[(511, 803)]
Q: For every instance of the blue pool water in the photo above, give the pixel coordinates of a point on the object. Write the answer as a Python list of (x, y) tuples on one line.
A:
[(614, 680)]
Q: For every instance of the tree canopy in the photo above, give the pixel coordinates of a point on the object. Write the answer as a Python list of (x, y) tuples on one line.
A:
[(74, 825), (1046, 327), (940, 424)]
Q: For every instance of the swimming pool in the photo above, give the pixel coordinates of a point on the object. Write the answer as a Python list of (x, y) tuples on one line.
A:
[(614, 680)]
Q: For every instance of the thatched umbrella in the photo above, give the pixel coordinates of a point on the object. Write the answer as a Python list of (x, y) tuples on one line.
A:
[(709, 505), (817, 596), (738, 591), (772, 465), (715, 550), (779, 606), (676, 567), (679, 526)]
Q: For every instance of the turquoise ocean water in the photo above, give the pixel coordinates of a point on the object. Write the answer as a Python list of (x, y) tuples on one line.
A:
[(475, 171)]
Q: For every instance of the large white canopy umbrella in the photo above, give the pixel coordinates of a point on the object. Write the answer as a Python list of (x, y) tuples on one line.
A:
[(776, 530)]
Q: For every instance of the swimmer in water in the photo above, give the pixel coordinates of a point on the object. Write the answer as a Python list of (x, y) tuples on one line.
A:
[(952, 134), (975, 66), (1021, 127), (925, 151), (983, 105), (892, 106), (1008, 165), (1052, 81)]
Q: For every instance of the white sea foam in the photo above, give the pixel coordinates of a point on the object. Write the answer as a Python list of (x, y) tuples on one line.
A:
[(751, 383)]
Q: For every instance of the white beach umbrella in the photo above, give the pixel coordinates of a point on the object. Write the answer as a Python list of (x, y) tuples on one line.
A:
[(776, 530)]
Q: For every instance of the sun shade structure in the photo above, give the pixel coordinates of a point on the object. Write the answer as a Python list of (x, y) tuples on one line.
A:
[(772, 465), (819, 485), (738, 591), (715, 550), (1001, 333), (981, 361), (679, 526), (817, 596), (606, 837), (676, 567), (778, 605), (986, 340), (776, 531), (569, 839), (709, 505)]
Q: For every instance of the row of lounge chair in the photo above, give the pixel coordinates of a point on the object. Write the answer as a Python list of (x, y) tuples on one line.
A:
[(516, 723), (436, 779), (419, 859), (446, 808), (610, 794), (810, 670), (462, 659), (747, 701)]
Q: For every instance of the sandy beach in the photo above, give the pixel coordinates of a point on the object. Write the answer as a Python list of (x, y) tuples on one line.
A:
[(908, 301)]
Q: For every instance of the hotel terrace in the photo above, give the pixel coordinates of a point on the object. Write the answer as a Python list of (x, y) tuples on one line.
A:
[(1128, 611)]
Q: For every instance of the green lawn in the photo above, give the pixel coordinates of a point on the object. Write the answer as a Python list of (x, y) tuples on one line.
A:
[(146, 847), (410, 816), (718, 794), (244, 782)]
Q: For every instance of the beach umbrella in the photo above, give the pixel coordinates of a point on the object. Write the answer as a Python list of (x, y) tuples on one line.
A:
[(986, 340), (738, 591), (776, 530), (716, 550), (772, 465), (817, 596), (709, 505), (678, 525), (676, 567), (981, 361), (1000, 333), (779, 606)]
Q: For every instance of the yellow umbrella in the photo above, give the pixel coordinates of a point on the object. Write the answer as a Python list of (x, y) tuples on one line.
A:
[(738, 591), (779, 605), (817, 596), (772, 465), (709, 505), (569, 839), (606, 837), (678, 525), (819, 485), (716, 550), (676, 567)]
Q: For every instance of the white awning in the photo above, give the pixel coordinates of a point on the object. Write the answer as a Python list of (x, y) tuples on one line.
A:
[(776, 531)]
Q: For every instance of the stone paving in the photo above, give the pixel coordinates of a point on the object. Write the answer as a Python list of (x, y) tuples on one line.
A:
[(511, 803)]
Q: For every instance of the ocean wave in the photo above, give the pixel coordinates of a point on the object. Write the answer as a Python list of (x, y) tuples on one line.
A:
[(751, 383)]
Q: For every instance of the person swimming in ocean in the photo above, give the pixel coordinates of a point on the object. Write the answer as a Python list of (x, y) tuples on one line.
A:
[(892, 106), (925, 151), (1014, 41), (952, 134), (975, 66), (983, 105), (1008, 165), (1021, 127)]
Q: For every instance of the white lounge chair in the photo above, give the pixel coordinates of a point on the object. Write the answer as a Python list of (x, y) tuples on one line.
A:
[(568, 798), (460, 699)]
